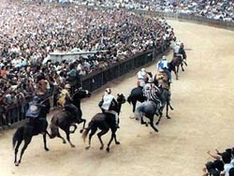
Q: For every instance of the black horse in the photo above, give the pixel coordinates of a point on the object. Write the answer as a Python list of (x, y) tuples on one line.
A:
[(136, 94), (104, 122), (28, 130), (64, 120), (166, 103)]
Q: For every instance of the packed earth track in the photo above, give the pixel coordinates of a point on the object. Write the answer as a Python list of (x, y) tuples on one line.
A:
[(202, 120)]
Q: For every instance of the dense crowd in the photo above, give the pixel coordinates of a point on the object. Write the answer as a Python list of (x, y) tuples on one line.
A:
[(212, 9), (30, 31)]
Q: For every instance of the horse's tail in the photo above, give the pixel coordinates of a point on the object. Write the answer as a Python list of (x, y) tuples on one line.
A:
[(53, 127), (86, 130), (129, 99), (18, 136)]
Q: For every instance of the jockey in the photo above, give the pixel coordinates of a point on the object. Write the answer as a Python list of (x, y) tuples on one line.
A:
[(155, 97), (148, 88), (34, 109), (179, 50), (162, 66), (141, 77), (66, 102), (182, 52), (108, 100)]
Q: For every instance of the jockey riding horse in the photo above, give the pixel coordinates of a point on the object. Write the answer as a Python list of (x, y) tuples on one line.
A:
[(66, 101)]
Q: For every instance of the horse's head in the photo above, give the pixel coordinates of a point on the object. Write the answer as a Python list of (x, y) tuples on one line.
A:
[(81, 93), (121, 98)]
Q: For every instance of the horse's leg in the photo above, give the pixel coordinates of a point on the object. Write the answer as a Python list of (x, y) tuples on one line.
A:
[(68, 138), (170, 106), (26, 143), (176, 74), (59, 136), (16, 151), (142, 121), (113, 136), (177, 69), (134, 105), (44, 140), (104, 131), (185, 62), (182, 66), (84, 122), (152, 124), (93, 131), (159, 119)]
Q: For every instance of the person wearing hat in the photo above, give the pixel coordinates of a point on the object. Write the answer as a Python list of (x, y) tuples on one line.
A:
[(107, 102), (141, 77), (162, 66), (34, 109), (65, 101)]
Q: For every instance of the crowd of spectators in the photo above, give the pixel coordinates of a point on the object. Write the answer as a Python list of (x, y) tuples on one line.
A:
[(212, 9), (30, 31), (222, 163)]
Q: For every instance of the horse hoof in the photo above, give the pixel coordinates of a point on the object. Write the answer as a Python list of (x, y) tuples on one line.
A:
[(168, 117), (73, 146), (87, 147), (101, 148), (108, 149), (46, 149), (117, 143), (16, 164)]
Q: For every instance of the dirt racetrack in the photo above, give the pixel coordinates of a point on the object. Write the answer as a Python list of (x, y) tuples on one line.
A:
[(202, 120)]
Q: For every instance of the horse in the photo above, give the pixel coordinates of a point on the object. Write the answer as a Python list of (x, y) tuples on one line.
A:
[(104, 122), (176, 63), (64, 120), (28, 130), (166, 102), (149, 108)]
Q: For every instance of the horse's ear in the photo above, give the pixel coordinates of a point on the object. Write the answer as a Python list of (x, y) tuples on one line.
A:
[(117, 94)]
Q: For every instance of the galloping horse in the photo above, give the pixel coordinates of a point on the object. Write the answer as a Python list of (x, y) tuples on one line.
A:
[(161, 80), (64, 119), (104, 122), (165, 98), (28, 130), (175, 64), (149, 108)]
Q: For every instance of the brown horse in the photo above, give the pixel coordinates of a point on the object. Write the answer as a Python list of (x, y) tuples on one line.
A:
[(64, 119), (175, 64)]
